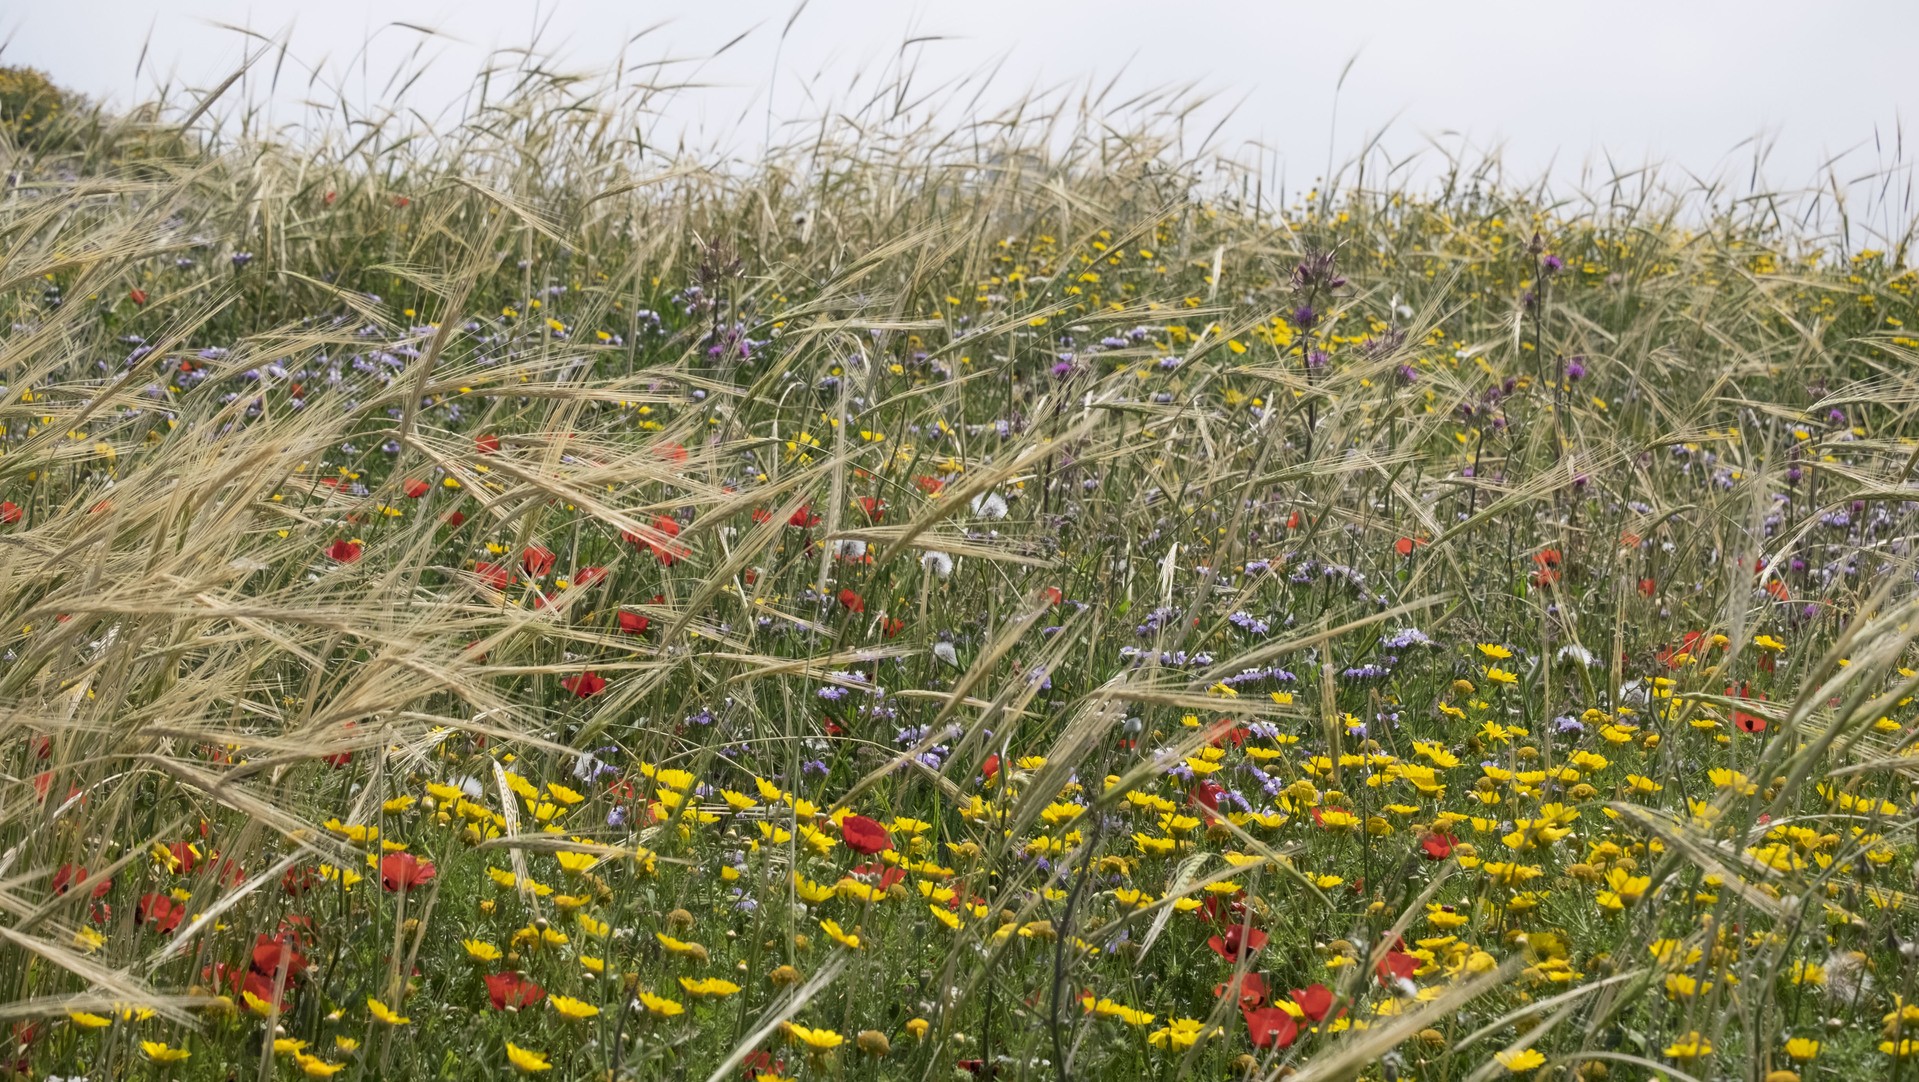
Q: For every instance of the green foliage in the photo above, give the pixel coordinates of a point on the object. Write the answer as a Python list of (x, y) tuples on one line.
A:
[(31, 106)]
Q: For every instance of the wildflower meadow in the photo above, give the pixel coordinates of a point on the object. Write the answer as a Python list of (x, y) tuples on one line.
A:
[(1020, 602)]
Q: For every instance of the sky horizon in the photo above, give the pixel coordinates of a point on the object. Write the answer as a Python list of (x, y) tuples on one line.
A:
[(1755, 93)]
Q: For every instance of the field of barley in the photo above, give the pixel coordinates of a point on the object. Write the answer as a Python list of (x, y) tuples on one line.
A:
[(1006, 603)]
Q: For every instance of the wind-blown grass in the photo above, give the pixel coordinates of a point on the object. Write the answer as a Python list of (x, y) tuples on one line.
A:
[(932, 606)]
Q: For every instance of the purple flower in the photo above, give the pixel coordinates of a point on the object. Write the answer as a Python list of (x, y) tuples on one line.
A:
[(1575, 370)]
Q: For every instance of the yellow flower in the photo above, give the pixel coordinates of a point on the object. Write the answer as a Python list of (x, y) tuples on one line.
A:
[(660, 1006), (1801, 1049), (160, 1052), (1525, 1059), (1338, 819), (1181, 1034), (819, 1040), (525, 1060), (708, 987), (838, 935), (573, 1010), (1500, 676), (88, 1021), (480, 950), (315, 1067), (1627, 888), (1691, 1046), (680, 947), (1495, 651), (383, 1013)]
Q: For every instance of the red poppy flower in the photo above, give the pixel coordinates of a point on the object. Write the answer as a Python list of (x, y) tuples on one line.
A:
[(1228, 733), (1748, 723), (893, 626), (185, 857), (403, 871), (1053, 595), (1687, 645), (873, 506), (880, 876), (487, 444), (851, 601), (298, 881), (864, 836), (1207, 794), (497, 576), (1405, 545), (1547, 562), (505, 990), (269, 954), (586, 685), (1238, 942), (343, 551), (1778, 591), (416, 489), (1252, 991), (1314, 1001), (68, 876), (329, 198), (671, 452), (803, 517), (10, 512), (1293, 521), (660, 540), (261, 985), (589, 576), (1397, 965), (457, 518), (758, 1063), (139, 296), (1648, 587), (536, 560), (1225, 913), (1270, 1027), (158, 912), (1437, 846), (633, 623), (929, 485), (990, 767)]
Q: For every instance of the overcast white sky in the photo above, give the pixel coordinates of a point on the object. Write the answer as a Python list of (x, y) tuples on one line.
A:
[(1551, 83)]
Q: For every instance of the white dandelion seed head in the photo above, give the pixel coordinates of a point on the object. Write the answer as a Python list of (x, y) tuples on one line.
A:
[(989, 505)]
